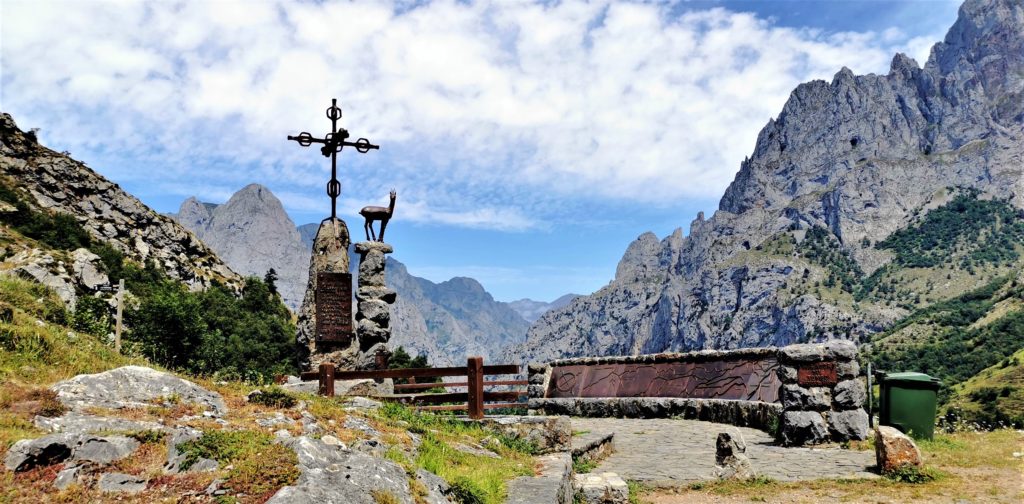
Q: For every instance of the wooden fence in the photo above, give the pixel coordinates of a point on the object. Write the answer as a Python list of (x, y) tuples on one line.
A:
[(474, 400)]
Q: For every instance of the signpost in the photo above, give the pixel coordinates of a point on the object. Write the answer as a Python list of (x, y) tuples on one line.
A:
[(120, 309)]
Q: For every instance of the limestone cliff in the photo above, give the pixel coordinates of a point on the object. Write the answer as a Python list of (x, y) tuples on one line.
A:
[(845, 165), (252, 233)]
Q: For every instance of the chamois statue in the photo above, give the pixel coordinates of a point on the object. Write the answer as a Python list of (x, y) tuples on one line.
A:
[(375, 213)]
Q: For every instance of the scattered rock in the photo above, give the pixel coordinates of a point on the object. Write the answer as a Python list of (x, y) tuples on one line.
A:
[(475, 450), (365, 388), (67, 476), (274, 420), (119, 482), (603, 488), (731, 459), (548, 433), (894, 449), (133, 386), (357, 403)]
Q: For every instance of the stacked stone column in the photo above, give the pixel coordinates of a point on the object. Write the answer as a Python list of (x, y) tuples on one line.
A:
[(373, 297), (819, 414)]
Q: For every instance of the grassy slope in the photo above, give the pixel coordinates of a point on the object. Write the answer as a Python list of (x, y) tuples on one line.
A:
[(37, 350), (995, 394)]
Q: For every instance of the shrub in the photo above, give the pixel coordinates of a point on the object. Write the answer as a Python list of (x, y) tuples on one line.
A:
[(274, 397)]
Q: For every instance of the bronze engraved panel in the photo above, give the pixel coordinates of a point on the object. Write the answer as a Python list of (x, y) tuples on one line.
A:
[(743, 379), (817, 374), (333, 299)]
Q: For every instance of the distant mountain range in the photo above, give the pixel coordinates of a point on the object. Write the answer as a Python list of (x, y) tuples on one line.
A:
[(445, 321)]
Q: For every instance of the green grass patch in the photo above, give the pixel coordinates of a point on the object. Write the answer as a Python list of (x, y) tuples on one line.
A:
[(583, 466), (914, 475), (474, 478), (258, 466)]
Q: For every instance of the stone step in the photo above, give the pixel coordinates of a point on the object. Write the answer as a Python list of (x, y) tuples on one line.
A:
[(552, 484), (600, 488), (592, 446)]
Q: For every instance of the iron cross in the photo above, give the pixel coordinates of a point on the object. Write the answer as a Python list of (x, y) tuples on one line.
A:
[(333, 143)]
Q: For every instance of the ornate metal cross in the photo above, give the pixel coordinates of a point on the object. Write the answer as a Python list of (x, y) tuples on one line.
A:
[(333, 143)]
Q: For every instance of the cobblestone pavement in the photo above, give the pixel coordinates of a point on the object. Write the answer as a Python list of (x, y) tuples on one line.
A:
[(667, 452)]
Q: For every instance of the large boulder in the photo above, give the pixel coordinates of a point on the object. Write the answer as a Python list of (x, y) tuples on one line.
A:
[(134, 387), (894, 450)]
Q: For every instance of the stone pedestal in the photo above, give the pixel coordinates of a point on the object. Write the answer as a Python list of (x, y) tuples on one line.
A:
[(373, 316), (330, 254)]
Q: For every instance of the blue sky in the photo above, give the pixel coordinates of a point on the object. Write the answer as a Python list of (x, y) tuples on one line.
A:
[(529, 142)]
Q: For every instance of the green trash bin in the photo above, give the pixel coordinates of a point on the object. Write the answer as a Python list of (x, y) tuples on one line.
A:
[(907, 401)]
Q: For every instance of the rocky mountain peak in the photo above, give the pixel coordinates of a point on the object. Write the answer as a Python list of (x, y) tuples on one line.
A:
[(846, 163), (253, 232)]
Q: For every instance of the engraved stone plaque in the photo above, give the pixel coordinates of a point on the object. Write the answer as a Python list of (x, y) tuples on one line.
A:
[(334, 307), (750, 379), (817, 374)]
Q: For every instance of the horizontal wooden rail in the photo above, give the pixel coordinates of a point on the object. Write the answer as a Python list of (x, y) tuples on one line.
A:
[(426, 386), (501, 369), (472, 400)]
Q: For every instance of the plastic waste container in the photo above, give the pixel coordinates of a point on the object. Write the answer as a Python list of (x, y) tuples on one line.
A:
[(907, 401)]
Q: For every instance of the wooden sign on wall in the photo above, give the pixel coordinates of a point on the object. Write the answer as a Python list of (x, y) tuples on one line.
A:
[(333, 300)]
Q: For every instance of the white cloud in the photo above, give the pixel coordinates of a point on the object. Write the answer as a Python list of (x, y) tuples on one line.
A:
[(484, 110)]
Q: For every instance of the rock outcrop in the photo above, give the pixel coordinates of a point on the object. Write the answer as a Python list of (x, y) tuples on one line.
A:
[(857, 158), (56, 182), (134, 387)]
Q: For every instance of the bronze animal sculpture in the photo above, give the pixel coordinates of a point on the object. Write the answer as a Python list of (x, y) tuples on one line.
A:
[(376, 213)]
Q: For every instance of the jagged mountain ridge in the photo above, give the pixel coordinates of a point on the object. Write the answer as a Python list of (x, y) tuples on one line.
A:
[(58, 183), (857, 157), (445, 321), (532, 310)]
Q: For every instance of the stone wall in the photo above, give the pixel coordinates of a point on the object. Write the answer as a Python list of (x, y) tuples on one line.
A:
[(806, 394)]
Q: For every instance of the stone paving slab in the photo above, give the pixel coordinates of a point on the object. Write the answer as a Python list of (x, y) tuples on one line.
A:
[(669, 452)]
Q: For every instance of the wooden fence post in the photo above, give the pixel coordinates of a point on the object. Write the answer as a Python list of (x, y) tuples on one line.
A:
[(475, 389), (327, 379)]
